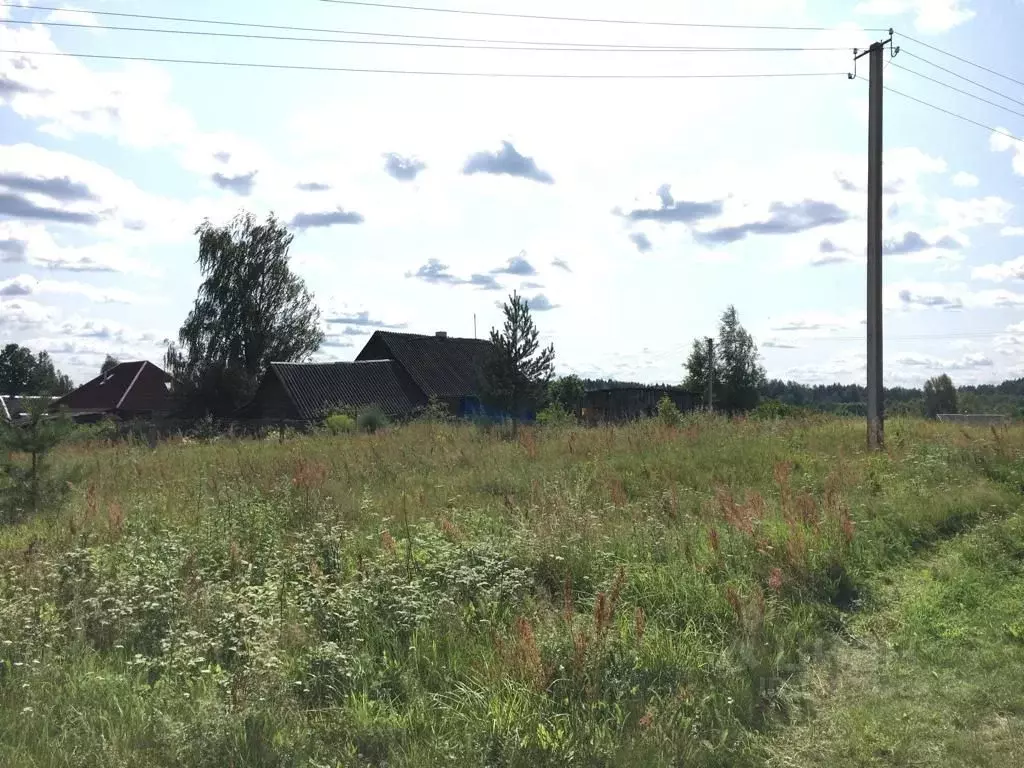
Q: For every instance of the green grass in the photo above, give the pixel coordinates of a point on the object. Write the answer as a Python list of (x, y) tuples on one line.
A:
[(933, 672), (437, 593)]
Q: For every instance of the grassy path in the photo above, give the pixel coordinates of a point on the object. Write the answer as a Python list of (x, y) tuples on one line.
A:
[(933, 672)]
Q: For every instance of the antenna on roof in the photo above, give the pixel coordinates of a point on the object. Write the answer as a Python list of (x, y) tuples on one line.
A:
[(474, 325)]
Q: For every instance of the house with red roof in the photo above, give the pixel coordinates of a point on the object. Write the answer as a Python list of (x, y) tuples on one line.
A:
[(126, 391)]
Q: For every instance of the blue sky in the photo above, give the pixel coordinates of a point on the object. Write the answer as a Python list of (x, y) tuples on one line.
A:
[(630, 212)]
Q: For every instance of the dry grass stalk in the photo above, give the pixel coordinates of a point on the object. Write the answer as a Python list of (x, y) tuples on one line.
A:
[(618, 492), (526, 655), (568, 606), (450, 530), (713, 539), (782, 473), (115, 518), (639, 624), (528, 442)]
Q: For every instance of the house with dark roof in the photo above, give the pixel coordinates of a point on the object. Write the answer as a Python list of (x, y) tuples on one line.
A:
[(15, 407), (127, 391), (396, 372)]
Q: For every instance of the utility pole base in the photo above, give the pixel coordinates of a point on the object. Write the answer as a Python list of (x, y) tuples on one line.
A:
[(876, 435)]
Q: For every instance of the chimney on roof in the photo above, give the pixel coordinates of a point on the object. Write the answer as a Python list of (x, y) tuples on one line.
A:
[(442, 334)]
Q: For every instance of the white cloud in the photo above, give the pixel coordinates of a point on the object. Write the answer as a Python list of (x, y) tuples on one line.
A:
[(39, 248), (964, 179), (21, 315), (1012, 231), (816, 322), (131, 103), (911, 295), (929, 15), (998, 273), (27, 285), (966, 363), (916, 295), (842, 367), (997, 298), (71, 15), (100, 200), (776, 343), (973, 212), (1001, 142)]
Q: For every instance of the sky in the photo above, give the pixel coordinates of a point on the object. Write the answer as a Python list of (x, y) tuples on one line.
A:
[(629, 211)]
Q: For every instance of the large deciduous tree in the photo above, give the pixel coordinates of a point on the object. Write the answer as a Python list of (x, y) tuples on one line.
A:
[(939, 396), (735, 368), (22, 373), (516, 371), (251, 310), (109, 363), (740, 370)]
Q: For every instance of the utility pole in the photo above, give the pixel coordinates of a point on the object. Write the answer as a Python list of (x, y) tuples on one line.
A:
[(876, 405), (709, 395)]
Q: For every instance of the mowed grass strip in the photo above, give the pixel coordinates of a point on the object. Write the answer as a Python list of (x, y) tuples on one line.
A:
[(440, 593), (933, 673)]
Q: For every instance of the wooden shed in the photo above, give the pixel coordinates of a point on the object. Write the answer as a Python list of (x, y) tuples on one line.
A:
[(620, 404)]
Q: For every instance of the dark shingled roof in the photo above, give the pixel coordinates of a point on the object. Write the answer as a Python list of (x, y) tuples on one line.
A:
[(317, 387), (135, 386), (13, 407), (441, 366)]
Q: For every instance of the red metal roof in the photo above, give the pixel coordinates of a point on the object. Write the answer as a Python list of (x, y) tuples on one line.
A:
[(135, 386)]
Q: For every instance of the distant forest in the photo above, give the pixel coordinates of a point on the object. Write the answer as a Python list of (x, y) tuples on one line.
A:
[(1005, 398)]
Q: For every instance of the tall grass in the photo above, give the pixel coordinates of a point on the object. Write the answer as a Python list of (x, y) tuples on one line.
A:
[(435, 593)]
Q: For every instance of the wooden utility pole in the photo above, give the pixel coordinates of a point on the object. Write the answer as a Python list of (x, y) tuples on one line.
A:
[(876, 405), (709, 396)]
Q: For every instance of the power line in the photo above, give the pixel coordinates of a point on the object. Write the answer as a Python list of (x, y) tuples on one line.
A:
[(360, 70), (511, 46), (967, 79), (961, 58), (911, 337), (792, 343), (960, 90), (636, 22), (948, 112), (334, 31)]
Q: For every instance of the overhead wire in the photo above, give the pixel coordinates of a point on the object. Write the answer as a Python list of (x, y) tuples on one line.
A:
[(589, 20), (960, 90), (962, 77), (911, 337), (369, 70), (961, 59), (510, 45), (947, 111)]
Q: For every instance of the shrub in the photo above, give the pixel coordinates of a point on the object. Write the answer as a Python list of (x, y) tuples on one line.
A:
[(555, 415), (668, 412), (771, 409), (371, 419), (435, 411), (340, 424), (106, 430)]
